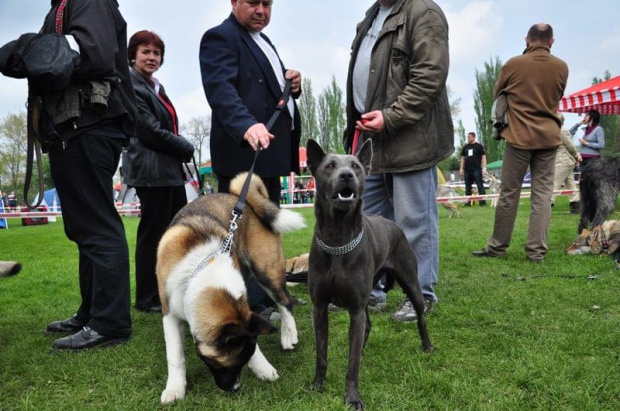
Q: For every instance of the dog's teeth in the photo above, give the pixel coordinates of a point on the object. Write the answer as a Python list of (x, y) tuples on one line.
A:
[(341, 198)]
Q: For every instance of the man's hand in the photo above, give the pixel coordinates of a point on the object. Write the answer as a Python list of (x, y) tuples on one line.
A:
[(295, 76), (373, 123), (461, 172), (258, 135), (579, 159), (583, 142)]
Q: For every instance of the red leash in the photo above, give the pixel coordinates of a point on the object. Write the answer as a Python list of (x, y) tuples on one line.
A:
[(356, 137)]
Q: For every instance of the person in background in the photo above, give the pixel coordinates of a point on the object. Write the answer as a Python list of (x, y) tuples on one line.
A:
[(84, 151), (153, 162), (243, 80), (593, 140), (565, 161), (473, 164), (397, 86), (534, 83), (12, 200)]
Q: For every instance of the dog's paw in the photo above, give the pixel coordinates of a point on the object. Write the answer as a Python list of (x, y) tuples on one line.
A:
[(170, 395), (289, 339), (288, 336), (266, 372)]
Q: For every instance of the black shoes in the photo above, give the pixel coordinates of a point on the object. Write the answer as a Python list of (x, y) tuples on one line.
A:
[(151, 309), (484, 253), (85, 339), (70, 325)]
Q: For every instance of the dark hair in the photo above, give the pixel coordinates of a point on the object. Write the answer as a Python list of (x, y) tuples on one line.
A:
[(540, 33), (472, 134), (595, 116), (141, 38)]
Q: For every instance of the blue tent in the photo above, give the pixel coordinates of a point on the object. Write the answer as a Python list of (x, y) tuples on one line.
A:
[(50, 196)]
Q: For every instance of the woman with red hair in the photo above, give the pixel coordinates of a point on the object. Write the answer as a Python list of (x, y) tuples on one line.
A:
[(153, 162)]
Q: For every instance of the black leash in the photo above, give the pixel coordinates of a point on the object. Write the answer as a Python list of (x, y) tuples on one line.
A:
[(240, 206)]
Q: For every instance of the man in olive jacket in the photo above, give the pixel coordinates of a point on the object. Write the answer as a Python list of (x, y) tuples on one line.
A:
[(534, 84), (397, 86)]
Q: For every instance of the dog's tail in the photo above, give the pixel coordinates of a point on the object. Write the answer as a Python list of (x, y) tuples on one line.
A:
[(271, 215)]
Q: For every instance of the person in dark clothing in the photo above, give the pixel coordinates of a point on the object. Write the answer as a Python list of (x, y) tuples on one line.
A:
[(243, 79), (473, 163), (153, 162), (84, 151)]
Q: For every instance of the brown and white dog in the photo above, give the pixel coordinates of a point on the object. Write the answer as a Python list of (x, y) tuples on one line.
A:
[(208, 291), (451, 206)]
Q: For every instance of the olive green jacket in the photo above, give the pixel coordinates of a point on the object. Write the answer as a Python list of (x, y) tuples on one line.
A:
[(407, 82)]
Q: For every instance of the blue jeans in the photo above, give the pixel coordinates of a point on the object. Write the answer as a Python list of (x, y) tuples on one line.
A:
[(409, 199)]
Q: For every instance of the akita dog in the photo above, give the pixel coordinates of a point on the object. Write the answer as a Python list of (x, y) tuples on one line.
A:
[(207, 289)]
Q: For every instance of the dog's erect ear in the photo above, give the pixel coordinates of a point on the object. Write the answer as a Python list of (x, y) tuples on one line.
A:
[(365, 155), (315, 155), (260, 326)]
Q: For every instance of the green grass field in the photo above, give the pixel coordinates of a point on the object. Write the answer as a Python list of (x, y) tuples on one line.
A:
[(509, 335)]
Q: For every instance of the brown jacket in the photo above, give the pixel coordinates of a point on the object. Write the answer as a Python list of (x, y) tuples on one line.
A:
[(409, 67), (567, 153), (534, 84)]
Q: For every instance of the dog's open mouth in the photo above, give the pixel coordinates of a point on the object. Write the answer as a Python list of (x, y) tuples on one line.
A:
[(346, 195)]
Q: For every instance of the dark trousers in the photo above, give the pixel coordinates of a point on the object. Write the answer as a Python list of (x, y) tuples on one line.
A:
[(257, 297), (158, 206), (82, 173), (472, 176)]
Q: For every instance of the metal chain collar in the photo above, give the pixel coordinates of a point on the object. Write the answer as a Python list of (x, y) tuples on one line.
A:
[(342, 250), (227, 244)]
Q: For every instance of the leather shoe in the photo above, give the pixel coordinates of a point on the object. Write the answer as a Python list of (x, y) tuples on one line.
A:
[(85, 339), (70, 325), (151, 309), (484, 253)]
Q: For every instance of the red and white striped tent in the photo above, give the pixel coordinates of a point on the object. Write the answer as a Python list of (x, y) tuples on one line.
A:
[(603, 97)]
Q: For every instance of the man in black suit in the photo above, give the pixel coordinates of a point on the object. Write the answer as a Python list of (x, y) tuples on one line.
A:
[(243, 79)]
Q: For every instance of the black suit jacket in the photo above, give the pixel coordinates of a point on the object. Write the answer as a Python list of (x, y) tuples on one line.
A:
[(242, 90)]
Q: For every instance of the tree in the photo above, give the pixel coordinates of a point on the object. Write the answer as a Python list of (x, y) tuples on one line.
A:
[(198, 132), (483, 101), (307, 111), (609, 123), (13, 150), (332, 119), (455, 103), (13, 141)]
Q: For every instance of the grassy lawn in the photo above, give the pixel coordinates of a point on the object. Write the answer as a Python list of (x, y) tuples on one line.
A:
[(508, 334)]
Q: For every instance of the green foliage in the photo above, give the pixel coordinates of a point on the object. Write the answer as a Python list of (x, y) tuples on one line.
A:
[(307, 111), (483, 102), (331, 118), (509, 335), (13, 140)]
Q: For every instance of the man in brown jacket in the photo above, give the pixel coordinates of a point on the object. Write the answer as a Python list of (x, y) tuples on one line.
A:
[(533, 83), (396, 96)]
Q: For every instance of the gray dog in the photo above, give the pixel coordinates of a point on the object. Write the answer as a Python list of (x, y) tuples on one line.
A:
[(347, 251)]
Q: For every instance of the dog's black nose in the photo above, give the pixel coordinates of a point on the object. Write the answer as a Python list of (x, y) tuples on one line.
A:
[(346, 175)]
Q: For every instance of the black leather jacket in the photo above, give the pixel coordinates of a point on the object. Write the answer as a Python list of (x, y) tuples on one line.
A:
[(101, 32), (155, 156)]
